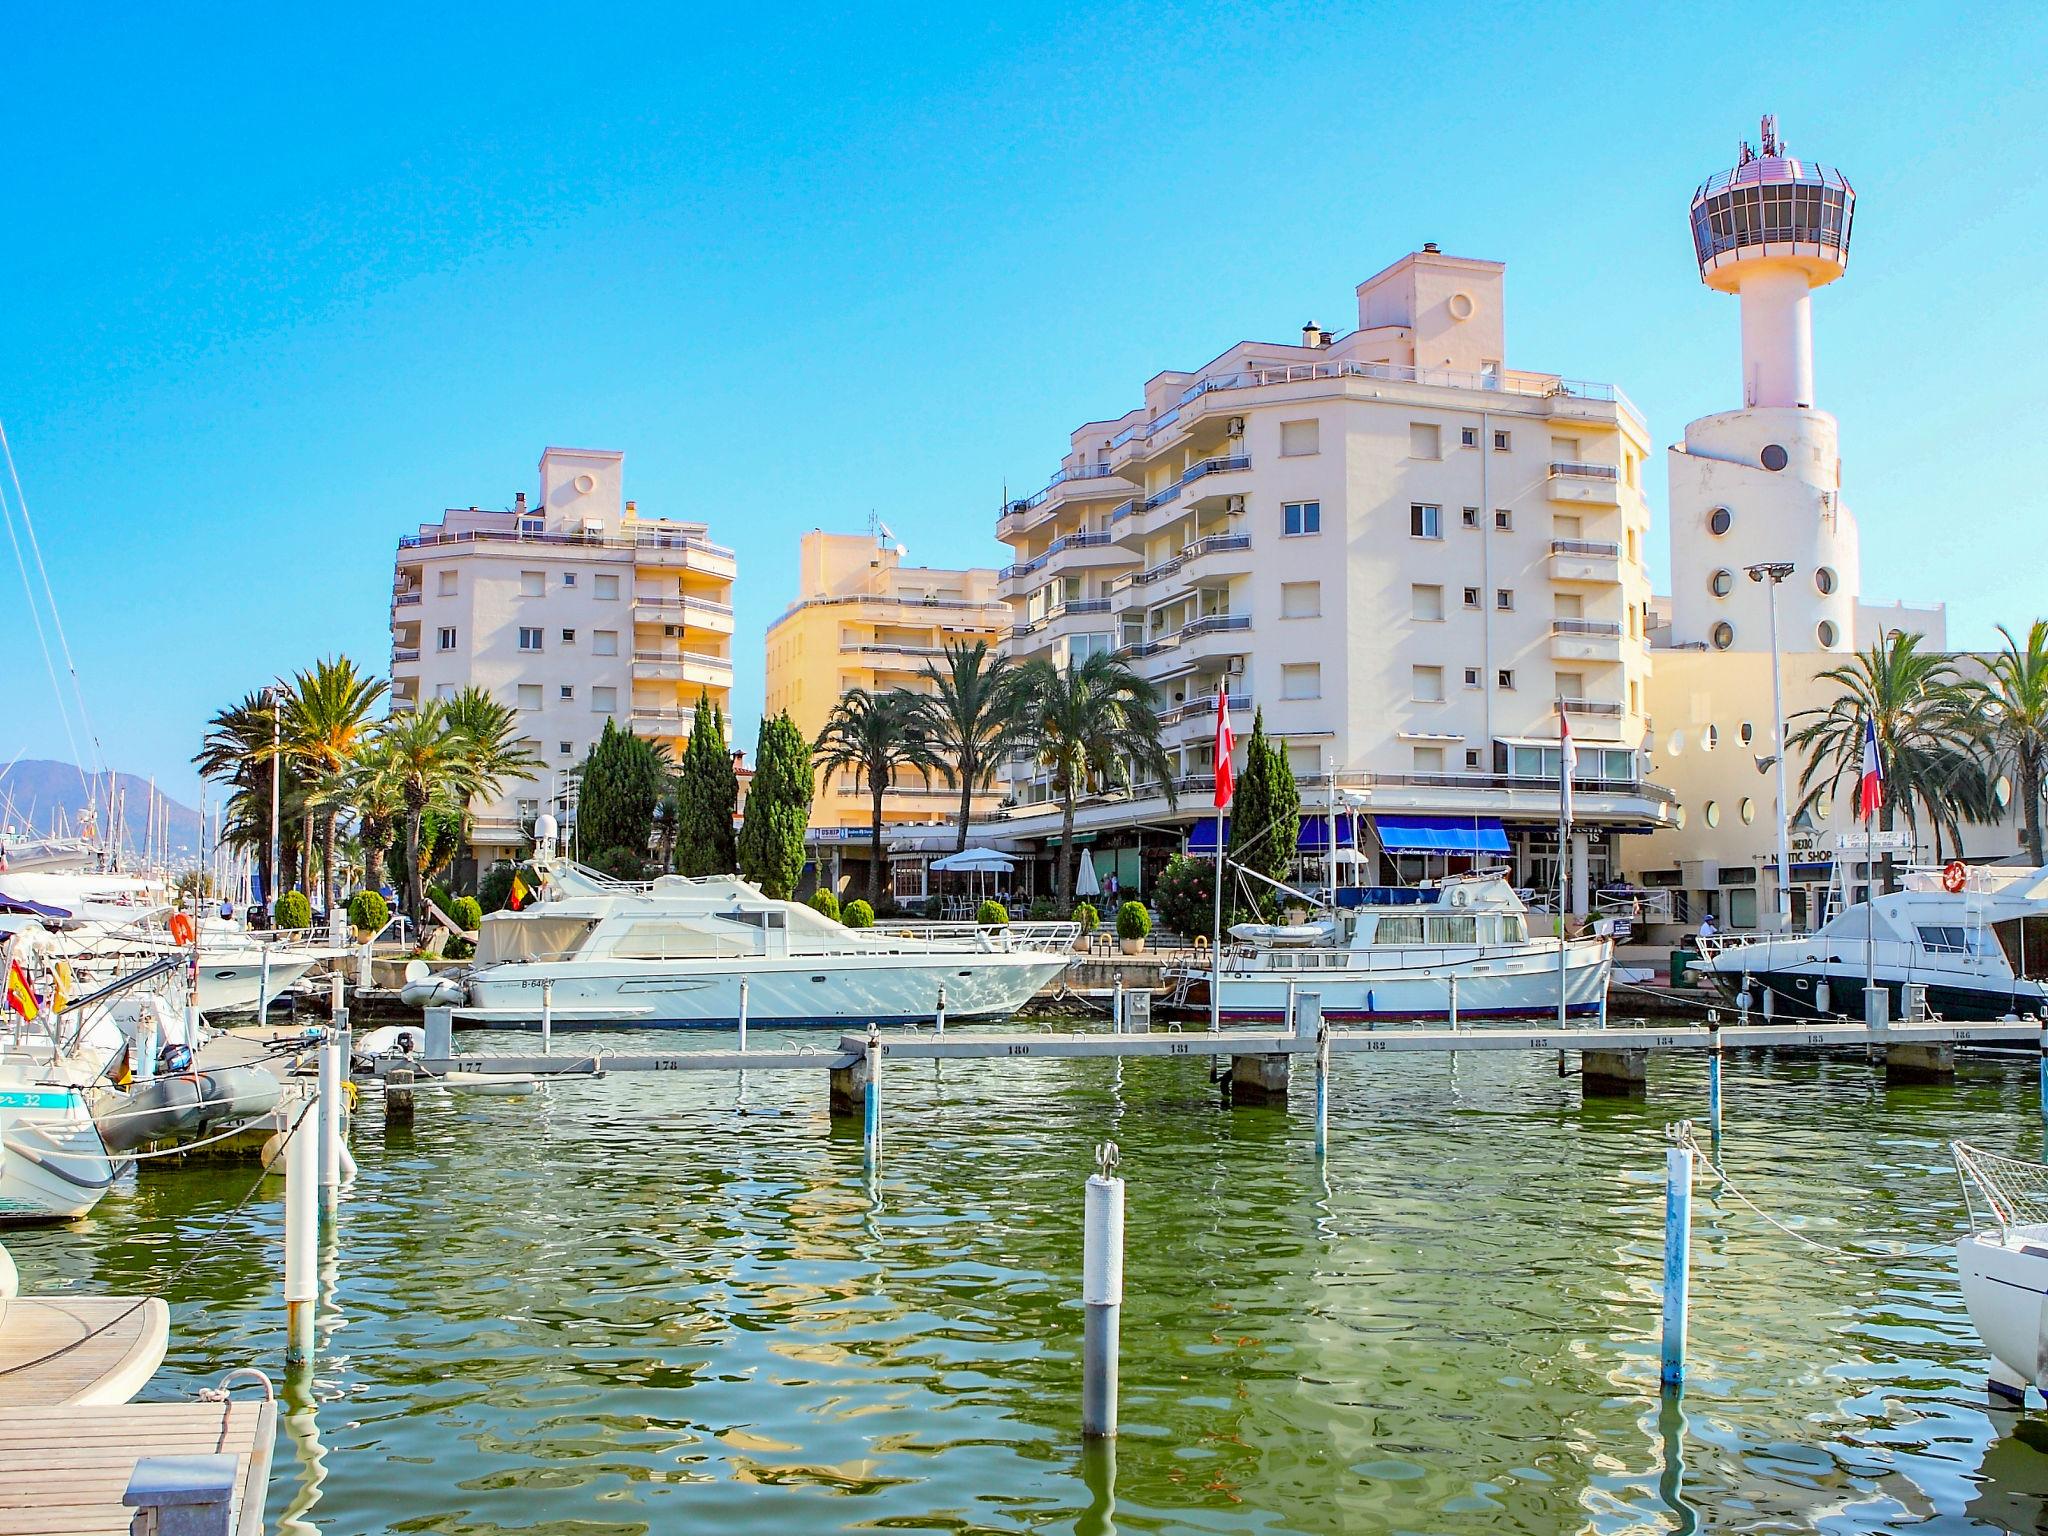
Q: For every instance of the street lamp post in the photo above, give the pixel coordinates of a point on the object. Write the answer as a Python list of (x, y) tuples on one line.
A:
[(1775, 571), (276, 776)]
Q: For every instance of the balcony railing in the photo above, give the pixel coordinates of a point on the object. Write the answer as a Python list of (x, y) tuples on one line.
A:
[(1080, 540), (1597, 547), (1206, 467), (1210, 624), (1608, 627), (1605, 708), (1585, 471), (1216, 543), (684, 658), (1204, 704), (408, 653), (580, 540), (671, 600), (886, 649), (406, 598), (1084, 472)]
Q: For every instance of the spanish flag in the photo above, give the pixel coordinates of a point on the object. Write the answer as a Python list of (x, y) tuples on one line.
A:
[(519, 892), (21, 997), (60, 988)]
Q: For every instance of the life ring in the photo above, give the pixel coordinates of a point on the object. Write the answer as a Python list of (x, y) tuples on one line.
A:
[(1954, 876), (181, 928)]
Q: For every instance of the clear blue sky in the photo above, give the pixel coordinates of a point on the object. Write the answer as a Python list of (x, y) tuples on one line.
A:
[(279, 287)]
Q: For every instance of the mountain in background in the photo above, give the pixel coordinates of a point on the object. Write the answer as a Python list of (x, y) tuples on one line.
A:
[(35, 788)]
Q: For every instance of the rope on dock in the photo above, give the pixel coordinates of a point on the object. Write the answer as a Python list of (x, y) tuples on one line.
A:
[(1681, 1135)]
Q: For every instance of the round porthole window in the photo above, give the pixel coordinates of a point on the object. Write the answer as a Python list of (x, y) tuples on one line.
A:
[(1710, 738), (2002, 791), (1748, 733), (1747, 810), (1775, 457), (1721, 583), (1826, 632), (1823, 808), (1461, 306), (1713, 813), (585, 484), (1718, 521), (1723, 635), (1824, 581), (1678, 818)]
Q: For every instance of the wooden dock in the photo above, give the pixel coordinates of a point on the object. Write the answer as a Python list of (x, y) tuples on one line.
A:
[(79, 1351)]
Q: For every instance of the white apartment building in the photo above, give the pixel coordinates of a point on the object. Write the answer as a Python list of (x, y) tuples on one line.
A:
[(575, 609), (1400, 549)]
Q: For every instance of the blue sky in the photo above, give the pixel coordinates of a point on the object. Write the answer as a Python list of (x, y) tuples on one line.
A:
[(282, 286)]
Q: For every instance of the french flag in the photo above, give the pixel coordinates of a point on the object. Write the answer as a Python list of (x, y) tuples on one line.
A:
[(1870, 788)]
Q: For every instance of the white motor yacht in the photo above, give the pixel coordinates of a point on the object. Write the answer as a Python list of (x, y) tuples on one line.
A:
[(673, 953), (1974, 937), (2002, 1265), (53, 1165), (1396, 956)]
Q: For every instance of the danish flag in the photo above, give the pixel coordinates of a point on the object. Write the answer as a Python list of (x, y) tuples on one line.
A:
[(1224, 783)]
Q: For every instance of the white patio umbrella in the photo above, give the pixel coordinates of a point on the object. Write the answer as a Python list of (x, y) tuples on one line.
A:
[(1085, 883), (975, 861)]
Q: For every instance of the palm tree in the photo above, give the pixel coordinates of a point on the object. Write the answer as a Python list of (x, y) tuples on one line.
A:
[(2016, 721), (496, 751), (237, 751), (430, 763), (1090, 726), (975, 714), (326, 722), (378, 797), (1921, 709), (874, 735)]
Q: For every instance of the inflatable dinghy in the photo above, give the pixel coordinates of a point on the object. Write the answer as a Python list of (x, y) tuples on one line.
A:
[(186, 1106)]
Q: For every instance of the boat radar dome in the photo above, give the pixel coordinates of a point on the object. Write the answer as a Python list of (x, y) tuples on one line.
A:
[(544, 834)]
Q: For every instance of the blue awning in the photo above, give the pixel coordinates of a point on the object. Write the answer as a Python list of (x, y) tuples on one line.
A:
[(1202, 836), (1309, 837), (1441, 834)]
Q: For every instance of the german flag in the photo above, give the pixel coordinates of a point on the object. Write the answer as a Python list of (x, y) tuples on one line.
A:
[(21, 997), (519, 894)]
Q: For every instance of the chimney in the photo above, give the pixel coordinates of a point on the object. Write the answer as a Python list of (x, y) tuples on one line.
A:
[(1430, 248), (1311, 335), (629, 509), (519, 502)]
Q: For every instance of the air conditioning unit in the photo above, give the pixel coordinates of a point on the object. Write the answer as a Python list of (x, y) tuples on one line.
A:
[(1234, 505), (1235, 426), (1234, 667)]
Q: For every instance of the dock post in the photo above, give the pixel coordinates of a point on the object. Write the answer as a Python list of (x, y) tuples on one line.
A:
[(1293, 1017), (398, 1097), (871, 1117), (263, 989), (547, 1017), (363, 974), (1323, 1091), (743, 1015), (1102, 1294), (1914, 1063), (301, 1230), (335, 996), (2044, 1070), (1714, 1077), (939, 1020), (1614, 1074), (1260, 1079), (1116, 1012), (1677, 1262), (329, 1123), (440, 1034), (1454, 999)]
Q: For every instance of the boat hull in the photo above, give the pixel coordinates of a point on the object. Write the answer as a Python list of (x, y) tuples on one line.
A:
[(53, 1166), (828, 992), (2005, 1287), (1491, 985), (1796, 995)]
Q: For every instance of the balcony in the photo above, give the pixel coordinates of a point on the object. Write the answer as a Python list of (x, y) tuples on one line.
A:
[(692, 612), (1089, 551), (1079, 608), (404, 653), (405, 597), (1596, 485), (1585, 640), (1591, 562), (1220, 554), (1202, 707), (703, 668), (1070, 485), (1600, 709)]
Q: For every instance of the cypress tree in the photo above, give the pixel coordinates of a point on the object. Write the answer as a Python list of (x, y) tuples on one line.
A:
[(707, 793), (771, 843), (1265, 812), (622, 783)]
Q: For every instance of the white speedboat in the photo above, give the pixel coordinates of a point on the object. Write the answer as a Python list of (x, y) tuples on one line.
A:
[(1395, 958), (1976, 938), (2002, 1266), (53, 1165), (674, 953), (231, 964)]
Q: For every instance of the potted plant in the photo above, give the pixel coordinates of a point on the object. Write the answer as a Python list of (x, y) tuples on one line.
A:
[(1089, 919), (857, 914), (1133, 925), (992, 914), (368, 912)]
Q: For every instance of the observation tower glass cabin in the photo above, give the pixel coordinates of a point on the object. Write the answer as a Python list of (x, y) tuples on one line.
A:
[(1771, 230)]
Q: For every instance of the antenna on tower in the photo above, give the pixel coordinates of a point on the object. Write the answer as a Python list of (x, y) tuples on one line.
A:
[(1772, 148)]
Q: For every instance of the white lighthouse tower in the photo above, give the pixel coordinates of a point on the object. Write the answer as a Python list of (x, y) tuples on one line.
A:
[(1764, 484)]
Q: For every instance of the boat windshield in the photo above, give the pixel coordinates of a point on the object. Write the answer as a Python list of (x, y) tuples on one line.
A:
[(508, 937)]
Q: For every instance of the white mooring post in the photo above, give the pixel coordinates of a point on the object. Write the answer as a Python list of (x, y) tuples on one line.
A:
[(1454, 999), (301, 1231), (1102, 1293), (2044, 1070), (263, 989), (335, 999), (363, 976), (1323, 1091), (1714, 1077), (743, 1015), (329, 1123), (939, 1019), (547, 1018), (871, 1104), (1116, 1008), (1677, 1261)]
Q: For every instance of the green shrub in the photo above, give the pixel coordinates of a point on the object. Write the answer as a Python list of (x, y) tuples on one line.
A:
[(293, 911), (1043, 910), (368, 912), (1185, 896), (826, 903), (858, 914), (440, 896), (1086, 915), (457, 948), (934, 908), (467, 912), (888, 906), (1133, 921), (992, 912)]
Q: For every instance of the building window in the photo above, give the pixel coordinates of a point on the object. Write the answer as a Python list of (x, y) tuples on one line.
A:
[(604, 642), (1723, 635), (1468, 437), (1719, 521), (447, 581), (606, 588), (1502, 442), (565, 749), (1428, 684), (529, 638), (1469, 517), (1826, 633), (1426, 603), (568, 691), (1425, 521), (568, 637), (1471, 757), (1471, 597), (1301, 599), (568, 578), (604, 701), (1713, 813), (1301, 680), (1635, 705), (1721, 583), (1507, 679), (1824, 581), (1471, 677), (1300, 517), (1424, 441), (1429, 759), (447, 637), (1298, 438), (530, 525), (1571, 685), (1746, 810), (444, 691), (532, 583), (1504, 599), (529, 695), (1503, 518)]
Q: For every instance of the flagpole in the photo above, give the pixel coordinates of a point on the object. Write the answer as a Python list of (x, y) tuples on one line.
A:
[(1223, 789), (1564, 834)]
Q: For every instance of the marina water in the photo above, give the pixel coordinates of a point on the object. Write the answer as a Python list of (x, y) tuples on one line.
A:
[(621, 1306)]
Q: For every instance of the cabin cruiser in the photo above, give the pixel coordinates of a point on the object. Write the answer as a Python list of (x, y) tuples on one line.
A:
[(1974, 937), (1397, 954), (674, 953)]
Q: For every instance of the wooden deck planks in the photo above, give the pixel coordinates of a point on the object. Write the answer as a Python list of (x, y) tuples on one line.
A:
[(63, 1471), (85, 1351)]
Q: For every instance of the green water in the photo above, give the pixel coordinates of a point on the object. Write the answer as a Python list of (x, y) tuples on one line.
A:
[(621, 1307)]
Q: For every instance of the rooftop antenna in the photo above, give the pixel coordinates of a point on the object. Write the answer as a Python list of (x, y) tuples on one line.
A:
[(1772, 148)]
